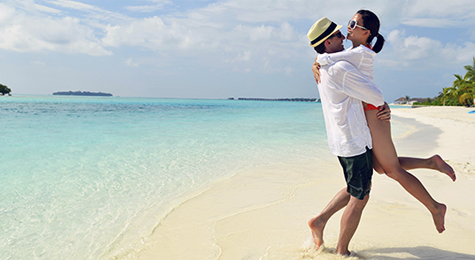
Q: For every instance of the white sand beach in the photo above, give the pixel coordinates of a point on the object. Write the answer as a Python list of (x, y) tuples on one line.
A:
[(263, 213)]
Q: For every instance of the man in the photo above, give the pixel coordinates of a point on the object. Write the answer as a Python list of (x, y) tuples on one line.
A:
[(342, 90)]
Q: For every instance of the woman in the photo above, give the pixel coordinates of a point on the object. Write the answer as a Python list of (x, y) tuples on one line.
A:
[(362, 29)]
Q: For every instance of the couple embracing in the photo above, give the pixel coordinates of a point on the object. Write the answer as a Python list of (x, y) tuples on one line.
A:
[(358, 127)]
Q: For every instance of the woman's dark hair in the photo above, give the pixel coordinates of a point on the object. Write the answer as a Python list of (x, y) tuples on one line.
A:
[(371, 22)]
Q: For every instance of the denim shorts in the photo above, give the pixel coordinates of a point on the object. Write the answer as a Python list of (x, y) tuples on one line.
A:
[(358, 172)]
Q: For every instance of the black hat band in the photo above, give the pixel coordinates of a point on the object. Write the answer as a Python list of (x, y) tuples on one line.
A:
[(326, 33)]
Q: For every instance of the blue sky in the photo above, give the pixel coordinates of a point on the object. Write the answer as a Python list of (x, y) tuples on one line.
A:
[(220, 49)]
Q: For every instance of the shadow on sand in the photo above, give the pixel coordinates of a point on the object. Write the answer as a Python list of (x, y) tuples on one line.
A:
[(420, 252)]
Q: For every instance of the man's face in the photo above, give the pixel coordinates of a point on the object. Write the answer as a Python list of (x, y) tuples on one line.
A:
[(335, 43)]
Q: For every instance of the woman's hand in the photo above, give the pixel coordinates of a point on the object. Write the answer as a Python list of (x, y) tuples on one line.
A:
[(384, 112), (316, 71)]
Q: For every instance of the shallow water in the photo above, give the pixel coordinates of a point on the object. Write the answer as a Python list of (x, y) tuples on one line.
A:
[(84, 177)]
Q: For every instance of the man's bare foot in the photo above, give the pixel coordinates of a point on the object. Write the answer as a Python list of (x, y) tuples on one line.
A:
[(342, 252), (317, 225), (439, 164), (439, 218)]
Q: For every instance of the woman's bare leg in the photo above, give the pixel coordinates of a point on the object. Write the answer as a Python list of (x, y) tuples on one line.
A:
[(377, 166), (435, 163), (385, 152), (408, 163)]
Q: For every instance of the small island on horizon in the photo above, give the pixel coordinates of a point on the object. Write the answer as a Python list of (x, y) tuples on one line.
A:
[(279, 99), (82, 93)]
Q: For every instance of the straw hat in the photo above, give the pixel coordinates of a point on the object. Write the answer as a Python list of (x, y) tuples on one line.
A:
[(321, 30)]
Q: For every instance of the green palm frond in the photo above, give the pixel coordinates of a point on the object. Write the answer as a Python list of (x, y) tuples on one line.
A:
[(465, 97), (463, 87)]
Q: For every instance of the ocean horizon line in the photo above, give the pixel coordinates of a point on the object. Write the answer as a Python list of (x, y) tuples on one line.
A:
[(191, 98)]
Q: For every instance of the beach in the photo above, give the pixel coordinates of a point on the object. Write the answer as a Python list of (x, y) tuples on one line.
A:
[(148, 178), (262, 213)]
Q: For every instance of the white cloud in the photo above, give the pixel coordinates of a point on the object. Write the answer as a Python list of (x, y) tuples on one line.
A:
[(6, 13), (429, 8), (459, 53), (27, 33), (265, 35), (159, 5), (254, 33), (144, 8), (38, 63), (199, 33), (151, 33), (73, 5), (440, 14), (244, 56), (413, 47), (412, 50), (90, 15), (431, 22), (46, 9), (288, 70), (131, 63)]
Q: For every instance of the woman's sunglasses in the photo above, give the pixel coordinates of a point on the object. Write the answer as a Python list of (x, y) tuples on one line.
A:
[(338, 34), (352, 24)]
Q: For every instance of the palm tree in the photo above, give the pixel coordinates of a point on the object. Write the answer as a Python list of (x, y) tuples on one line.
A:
[(4, 89), (466, 99), (452, 93), (470, 71), (463, 88), (470, 75)]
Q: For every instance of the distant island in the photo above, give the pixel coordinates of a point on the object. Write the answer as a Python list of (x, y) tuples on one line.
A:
[(82, 93), (280, 99)]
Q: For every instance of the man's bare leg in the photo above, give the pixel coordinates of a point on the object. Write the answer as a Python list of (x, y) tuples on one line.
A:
[(435, 163), (317, 224), (349, 222)]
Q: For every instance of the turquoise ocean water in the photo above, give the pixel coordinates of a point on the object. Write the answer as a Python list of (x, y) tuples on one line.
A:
[(89, 177)]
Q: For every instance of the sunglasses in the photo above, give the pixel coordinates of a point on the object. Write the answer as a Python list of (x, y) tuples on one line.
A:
[(352, 24), (338, 34)]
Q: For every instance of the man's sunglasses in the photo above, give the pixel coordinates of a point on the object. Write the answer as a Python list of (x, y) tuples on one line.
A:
[(338, 34), (353, 24)]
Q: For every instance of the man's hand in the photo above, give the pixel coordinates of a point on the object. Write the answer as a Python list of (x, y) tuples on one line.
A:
[(316, 71), (384, 112)]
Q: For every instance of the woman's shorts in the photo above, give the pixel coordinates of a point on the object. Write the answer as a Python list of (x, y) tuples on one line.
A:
[(358, 172)]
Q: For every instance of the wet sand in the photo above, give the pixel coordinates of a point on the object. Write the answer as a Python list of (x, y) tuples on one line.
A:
[(263, 213)]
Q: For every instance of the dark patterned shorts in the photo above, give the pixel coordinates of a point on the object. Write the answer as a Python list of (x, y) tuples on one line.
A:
[(358, 171)]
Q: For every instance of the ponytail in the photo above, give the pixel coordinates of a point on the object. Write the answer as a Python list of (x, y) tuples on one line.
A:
[(371, 22), (378, 46)]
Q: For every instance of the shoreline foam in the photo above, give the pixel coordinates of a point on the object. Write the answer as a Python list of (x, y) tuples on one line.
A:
[(262, 213)]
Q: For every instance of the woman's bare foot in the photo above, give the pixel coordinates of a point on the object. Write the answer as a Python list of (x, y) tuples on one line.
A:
[(317, 225), (439, 164), (439, 218)]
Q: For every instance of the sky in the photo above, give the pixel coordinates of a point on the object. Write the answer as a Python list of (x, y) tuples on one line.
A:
[(221, 49)]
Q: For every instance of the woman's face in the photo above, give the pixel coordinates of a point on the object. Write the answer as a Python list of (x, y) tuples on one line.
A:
[(357, 34)]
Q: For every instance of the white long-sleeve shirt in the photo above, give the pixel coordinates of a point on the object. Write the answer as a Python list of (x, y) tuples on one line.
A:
[(342, 89), (361, 57)]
